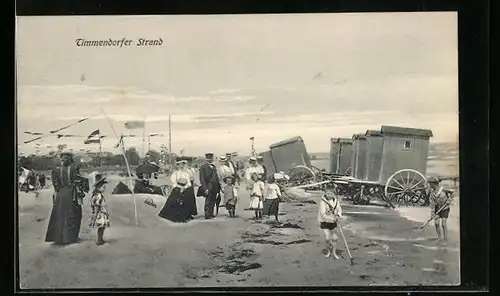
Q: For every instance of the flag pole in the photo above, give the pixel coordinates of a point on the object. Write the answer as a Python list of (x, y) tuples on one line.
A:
[(169, 140), (143, 137), (128, 167), (130, 181), (100, 153)]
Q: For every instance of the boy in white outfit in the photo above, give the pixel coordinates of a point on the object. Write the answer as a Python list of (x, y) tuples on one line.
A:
[(329, 213)]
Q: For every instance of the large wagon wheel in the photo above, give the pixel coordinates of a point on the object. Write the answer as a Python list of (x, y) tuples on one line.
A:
[(301, 175), (407, 187)]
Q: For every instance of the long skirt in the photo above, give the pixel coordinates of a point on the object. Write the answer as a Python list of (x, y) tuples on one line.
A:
[(189, 200), (271, 207), (175, 209), (65, 219)]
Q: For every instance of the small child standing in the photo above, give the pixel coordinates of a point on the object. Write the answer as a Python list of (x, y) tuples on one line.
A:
[(230, 196), (257, 196), (100, 215), (272, 198)]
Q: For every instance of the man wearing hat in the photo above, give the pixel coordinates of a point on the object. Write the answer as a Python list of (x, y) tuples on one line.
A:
[(69, 189), (210, 184), (439, 199)]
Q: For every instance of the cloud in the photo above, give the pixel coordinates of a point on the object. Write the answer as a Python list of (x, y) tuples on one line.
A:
[(225, 91)]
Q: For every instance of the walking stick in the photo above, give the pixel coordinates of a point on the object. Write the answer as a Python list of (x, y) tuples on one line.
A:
[(345, 243), (433, 216)]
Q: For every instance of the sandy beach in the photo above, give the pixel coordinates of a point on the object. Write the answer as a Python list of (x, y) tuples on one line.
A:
[(233, 252)]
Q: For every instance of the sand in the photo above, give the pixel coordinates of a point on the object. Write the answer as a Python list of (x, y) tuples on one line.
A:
[(233, 251)]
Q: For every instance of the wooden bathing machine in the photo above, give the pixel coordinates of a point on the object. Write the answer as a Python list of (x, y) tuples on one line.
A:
[(377, 154), (341, 151)]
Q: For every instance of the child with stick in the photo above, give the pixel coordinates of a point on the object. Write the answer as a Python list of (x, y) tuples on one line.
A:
[(100, 215), (328, 215)]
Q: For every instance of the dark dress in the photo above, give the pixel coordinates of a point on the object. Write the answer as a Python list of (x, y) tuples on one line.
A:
[(175, 208), (41, 179), (190, 201), (66, 216)]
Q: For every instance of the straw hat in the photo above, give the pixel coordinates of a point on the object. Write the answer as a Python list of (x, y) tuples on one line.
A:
[(99, 180), (253, 158), (222, 158), (66, 152), (433, 180)]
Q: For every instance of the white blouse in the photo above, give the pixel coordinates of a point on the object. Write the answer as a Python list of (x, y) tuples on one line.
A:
[(253, 170), (180, 174), (273, 191)]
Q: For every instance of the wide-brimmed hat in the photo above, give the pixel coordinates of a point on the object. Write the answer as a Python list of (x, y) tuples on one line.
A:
[(259, 157), (253, 158), (433, 180), (181, 161), (99, 180), (222, 158), (229, 154), (66, 152)]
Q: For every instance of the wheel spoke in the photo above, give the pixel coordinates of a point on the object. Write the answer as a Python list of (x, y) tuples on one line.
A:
[(416, 184), (397, 192), (397, 188), (412, 180), (408, 179), (402, 186)]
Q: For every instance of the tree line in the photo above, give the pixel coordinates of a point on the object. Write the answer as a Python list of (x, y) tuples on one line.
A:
[(51, 160)]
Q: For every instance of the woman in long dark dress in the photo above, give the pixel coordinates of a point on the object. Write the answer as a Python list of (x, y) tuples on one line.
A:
[(175, 208), (69, 190), (184, 172)]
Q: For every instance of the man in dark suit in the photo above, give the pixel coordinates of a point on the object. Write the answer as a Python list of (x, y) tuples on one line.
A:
[(210, 186)]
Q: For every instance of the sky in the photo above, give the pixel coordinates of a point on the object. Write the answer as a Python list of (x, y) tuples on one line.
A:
[(226, 78)]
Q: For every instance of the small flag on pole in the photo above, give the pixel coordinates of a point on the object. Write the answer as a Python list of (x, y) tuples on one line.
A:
[(119, 142), (93, 138), (134, 124)]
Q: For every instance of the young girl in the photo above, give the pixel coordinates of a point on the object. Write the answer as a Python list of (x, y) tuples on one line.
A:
[(272, 198), (257, 196), (329, 213), (100, 216), (230, 196)]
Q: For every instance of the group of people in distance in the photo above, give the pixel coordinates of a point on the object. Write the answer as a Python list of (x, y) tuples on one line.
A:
[(220, 183), (217, 183)]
